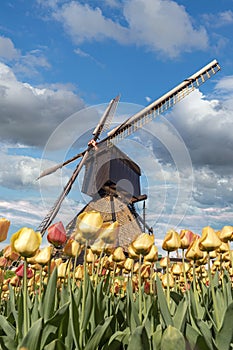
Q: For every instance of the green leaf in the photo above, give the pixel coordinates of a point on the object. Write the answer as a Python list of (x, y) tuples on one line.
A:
[(7, 327), (75, 324), (49, 296), (172, 338), (224, 336), (179, 318), (156, 338), (101, 335), (163, 304), (119, 339), (89, 304), (55, 345), (206, 333), (139, 339), (59, 314), (7, 343), (33, 337), (131, 312), (191, 335)]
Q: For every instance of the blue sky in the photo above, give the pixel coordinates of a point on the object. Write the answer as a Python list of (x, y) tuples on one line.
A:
[(61, 62)]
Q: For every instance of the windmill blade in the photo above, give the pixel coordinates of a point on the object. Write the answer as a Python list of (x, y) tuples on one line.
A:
[(106, 119), (54, 210), (59, 166), (162, 104), (102, 125)]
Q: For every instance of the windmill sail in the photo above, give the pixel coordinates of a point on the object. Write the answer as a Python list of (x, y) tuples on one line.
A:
[(54, 210), (162, 104)]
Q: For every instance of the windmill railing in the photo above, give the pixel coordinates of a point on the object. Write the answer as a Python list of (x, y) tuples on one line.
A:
[(163, 103)]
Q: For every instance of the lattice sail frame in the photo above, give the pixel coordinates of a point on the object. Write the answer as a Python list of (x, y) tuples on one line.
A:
[(162, 104)]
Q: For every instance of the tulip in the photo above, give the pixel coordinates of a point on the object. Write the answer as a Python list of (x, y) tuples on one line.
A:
[(109, 232), (20, 270), (4, 228), (44, 256), (186, 238), (209, 240), (168, 281), (163, 262), (79, 272), (152, 256), (171, 241), (118, 255), (57, 234), (193, 252), (9, 254), (226, 234), (143, 243), (177, 268), (132, 253), (72, 248), (26, 242), (63, 269), (128, 265), (90, 258), (89, 224)]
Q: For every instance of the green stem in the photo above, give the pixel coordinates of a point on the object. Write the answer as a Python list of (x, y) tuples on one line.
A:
[(216, 307), (168, 285), (140, 288), (185, 277), (25, 299), (74, 267), (83, 297)]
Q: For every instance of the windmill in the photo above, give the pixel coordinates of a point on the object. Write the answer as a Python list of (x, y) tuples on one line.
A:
[(111, 178)]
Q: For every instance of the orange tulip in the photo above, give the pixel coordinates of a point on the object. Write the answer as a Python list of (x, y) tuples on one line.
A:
[(72, 248), (4, 228), (171, 241), (209, 240)]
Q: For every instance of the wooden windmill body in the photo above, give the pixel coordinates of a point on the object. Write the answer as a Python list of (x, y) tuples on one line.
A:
[(112, 179)]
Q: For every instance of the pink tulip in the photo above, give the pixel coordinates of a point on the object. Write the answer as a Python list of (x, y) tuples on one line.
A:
[(57, 234)]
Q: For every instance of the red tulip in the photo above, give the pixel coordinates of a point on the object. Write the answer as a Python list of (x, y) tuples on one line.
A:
[(57, 234), (19, 271)]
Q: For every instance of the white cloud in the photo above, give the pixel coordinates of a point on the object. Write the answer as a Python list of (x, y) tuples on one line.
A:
[(30, 114), (7, 49), (160, 26)]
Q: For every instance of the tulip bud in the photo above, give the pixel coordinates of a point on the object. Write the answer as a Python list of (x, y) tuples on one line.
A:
[(44, 256), (152, 256), (164, 262), (26, 241), (72, 248), (4, 228), (143, 243), (193, 252), (169, 280), (128, 265), (109, 232), (224, 247), (186, 238), (89, 223), (132, 253), (226, 234), (57, 234), (9, 254), (118, 255), (90, 258), (209, 240), (171, 241)]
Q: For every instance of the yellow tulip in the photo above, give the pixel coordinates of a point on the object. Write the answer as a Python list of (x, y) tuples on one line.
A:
[(26, 242), (226, 233), (132, 253), (143, 243), (72, 248), (186, 238), (193, 252), (209, 240), (109, 232), (44, 256), (63, 268), (89, 223), (152, 256), (177, 268), (164, 262), (90, 258), (118, 255), (169, 280), (171, 241), (4, 228), (128, 265)]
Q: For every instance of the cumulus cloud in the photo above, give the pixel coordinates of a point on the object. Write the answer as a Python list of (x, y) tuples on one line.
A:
[(7, 49), (160, 26), (30, 114)]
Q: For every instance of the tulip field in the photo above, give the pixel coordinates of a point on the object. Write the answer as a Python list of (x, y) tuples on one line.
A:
[(83, 292)]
